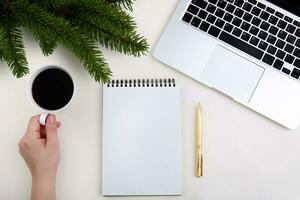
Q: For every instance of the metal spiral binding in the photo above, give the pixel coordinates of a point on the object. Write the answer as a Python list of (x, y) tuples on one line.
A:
[(142, 83)]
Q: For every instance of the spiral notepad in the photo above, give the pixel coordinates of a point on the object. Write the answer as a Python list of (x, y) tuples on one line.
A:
[(141, 138)]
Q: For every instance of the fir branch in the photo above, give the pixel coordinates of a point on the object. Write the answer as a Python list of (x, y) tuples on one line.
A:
[(46, 4), (102, 23), (96, 10), (125, 3), (129, 43), (47, 44), (41, 22), (12, 47)]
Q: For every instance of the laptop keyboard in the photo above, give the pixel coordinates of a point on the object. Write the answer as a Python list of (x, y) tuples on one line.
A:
[(252, 27)]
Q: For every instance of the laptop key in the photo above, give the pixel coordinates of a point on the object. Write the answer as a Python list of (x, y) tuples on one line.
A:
[(268, 59), (297, 32), (241, 45), (296, 23), (262, 6), (279, 14), (193, 9), (282, 24), (204, 26), (220, 23), (263, 45), (289, 59), (211, 8), (290, 28), (262, 35), (245, 26), (214, 31), (265, 25), (202, 14), (291, 39), (237, 21), (278, 64), (298, 43), (282, 34), (280, 54), (246, 36), (201, 3), (273, 30), (297, 63), (254, 40), (222, 4), (239, 12), (273, 20), (272, 50), (271, 39), (286, 71), (238, 3), (196, 21), (288, 19), (228, 27), (187, 17), (256, 11), (237, 32), (295, 73), (220, 13), (270, 10), (211, 19), (289, 48), (247, 6), (280, 44), (254, 30), (297, 52), (247, 17), (264, 15), (228, 17), (230, 8), (256, 21)]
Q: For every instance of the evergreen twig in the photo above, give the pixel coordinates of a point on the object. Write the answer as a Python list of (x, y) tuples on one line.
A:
[(12, 47), (58, 29), (78, 25), (125, 3)]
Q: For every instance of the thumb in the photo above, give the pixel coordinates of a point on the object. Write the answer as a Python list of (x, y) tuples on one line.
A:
[(51, 130)]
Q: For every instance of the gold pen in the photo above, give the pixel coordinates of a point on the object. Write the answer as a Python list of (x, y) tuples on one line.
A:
[(198, 144)]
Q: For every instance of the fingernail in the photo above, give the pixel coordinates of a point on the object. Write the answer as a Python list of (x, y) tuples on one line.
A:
[(52, 119)]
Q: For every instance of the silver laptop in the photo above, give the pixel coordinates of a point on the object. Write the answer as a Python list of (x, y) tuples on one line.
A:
[(248, 50)]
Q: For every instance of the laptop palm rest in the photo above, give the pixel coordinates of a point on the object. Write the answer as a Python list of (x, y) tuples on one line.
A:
[(231, 74)]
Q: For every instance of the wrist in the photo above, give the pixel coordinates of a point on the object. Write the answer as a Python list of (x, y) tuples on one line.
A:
[(44, 178), (43, 187)]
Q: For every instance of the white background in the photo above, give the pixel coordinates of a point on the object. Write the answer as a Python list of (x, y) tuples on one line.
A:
[(246, 156)]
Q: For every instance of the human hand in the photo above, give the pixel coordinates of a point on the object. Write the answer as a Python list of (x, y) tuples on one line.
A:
[(40, 147)]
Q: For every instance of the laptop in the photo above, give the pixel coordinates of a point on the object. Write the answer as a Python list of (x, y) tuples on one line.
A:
[(248, 50)]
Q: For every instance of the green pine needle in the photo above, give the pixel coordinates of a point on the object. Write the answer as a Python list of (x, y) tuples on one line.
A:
[(101, 23), (125, 3), (12, 49), (78, 25), (59, 29)]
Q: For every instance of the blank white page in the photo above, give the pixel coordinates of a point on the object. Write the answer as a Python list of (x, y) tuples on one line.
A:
[(141, 141)]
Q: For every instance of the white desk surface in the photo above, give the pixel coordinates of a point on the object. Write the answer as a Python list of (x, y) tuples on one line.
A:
[(246, 156)]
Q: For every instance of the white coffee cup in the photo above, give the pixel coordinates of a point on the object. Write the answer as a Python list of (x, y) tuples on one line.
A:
[(46, 112)]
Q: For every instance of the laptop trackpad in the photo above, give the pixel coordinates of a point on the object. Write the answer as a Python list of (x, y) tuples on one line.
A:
[(231, 74)]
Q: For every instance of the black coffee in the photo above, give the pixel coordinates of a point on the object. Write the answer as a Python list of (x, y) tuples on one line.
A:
[(52, 89)]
